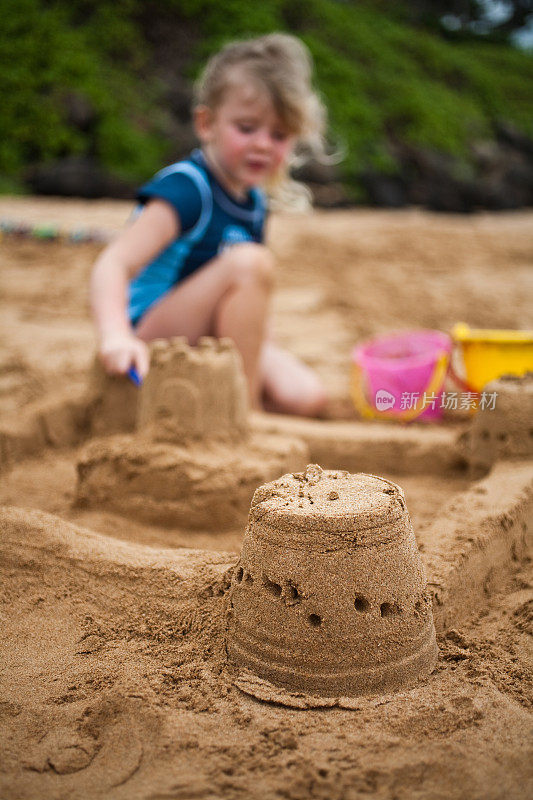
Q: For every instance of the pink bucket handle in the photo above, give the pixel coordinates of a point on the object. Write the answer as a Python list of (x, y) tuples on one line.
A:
[(407, 415)]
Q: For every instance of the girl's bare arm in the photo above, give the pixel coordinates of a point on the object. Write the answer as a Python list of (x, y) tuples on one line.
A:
[(151, 232)]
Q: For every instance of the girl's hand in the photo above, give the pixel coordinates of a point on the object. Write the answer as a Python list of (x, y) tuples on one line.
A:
[(120, 351)]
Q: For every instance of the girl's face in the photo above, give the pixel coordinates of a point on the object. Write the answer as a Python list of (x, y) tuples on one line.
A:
[(243, 138)]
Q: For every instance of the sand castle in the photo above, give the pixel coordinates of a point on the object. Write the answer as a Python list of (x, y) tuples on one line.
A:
[(189, 393), (329, 597), (194, 393), (192, 459), (504, 429)]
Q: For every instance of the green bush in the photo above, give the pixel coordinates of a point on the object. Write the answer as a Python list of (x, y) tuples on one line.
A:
[(378, 75), (51, 49)]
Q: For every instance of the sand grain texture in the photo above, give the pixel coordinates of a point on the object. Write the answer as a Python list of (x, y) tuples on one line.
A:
[(114, 679)]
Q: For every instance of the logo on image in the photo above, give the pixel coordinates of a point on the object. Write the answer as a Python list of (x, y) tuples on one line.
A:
[(384, 400)]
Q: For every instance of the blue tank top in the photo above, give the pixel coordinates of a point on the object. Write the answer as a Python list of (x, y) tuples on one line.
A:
[(210, 219)]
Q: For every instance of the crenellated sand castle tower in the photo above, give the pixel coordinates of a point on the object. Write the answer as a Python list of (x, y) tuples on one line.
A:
[(191, 460), (329, 597), (504, 428), (193, 394)]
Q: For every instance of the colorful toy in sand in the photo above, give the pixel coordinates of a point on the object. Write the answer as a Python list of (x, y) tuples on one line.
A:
[(402, 376), (52, 233), (391, 369), (488, 354)]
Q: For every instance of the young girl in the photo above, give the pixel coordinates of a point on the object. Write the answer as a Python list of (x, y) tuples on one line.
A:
[(193, 263)]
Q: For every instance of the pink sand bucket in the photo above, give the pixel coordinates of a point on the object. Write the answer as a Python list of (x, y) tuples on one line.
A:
[(401, 376)]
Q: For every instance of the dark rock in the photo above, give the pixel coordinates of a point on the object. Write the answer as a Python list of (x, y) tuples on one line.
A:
[(429, 180), (313, 171), (388, 191), (179, 98), (332, 195), (505, 175), (77, 176), (507, 134), (500, 177), (182, 137)]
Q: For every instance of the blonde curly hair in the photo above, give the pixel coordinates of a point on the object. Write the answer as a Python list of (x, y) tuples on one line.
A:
[(282, 65)]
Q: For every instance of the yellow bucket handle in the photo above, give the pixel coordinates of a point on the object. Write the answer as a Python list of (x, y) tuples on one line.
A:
[(407, 415)]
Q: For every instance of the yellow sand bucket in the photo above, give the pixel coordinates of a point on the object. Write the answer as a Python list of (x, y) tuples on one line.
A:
[(488, 354)]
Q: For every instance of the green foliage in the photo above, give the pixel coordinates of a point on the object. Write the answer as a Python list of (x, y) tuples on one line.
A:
[(379, 76), (50, 50)]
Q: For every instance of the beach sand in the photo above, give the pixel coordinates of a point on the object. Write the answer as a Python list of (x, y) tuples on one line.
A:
[(114, 674)]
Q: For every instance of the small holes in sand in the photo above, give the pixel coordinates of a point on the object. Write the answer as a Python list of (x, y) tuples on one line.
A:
[(502, 437), (239, 575), (485, 435), (293, 595), (315, 620), (419, 608), (361, 603), (389, 609), (271, 586)]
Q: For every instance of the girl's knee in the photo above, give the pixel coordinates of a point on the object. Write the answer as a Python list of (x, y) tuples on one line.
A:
[(310, 404), (290, 386), (251, 262)]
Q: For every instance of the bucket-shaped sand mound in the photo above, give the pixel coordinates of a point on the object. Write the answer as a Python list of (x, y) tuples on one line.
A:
[(329, 596)]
